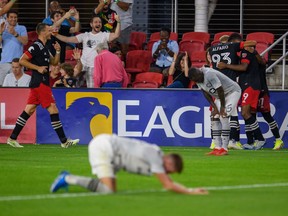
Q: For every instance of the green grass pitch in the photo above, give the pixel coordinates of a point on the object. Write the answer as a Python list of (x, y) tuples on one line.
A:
[(243, 183)]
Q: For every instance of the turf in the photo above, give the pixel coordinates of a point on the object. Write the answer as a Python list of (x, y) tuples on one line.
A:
[(28, 172)]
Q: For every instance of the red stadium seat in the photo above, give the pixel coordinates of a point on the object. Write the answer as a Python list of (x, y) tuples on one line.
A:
[(32, 37), (69, 57), (137, 40), (202, 36), (150, 77), (145, 84), (264, 37), (156, 36), (198, 59), (138, 61), (192, 46)]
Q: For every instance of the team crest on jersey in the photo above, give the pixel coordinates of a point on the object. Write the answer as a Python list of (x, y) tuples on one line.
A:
[(91, 111), (244, 55)]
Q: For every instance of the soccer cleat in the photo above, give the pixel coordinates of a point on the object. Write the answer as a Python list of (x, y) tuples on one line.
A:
[(212, 145), (70, 142), (259, 144), (278, 144), (214, 152), (14, 143), (248, 147), (222, 152), (234, 145), (59, 182)]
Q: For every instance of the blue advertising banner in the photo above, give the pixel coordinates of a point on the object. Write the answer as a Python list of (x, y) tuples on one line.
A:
[(162, 116)]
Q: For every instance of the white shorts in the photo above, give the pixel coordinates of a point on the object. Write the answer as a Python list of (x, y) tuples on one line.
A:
[(101, 156), (231, 101)]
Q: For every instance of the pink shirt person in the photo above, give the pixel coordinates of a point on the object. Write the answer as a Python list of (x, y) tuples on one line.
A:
[(108, 68)]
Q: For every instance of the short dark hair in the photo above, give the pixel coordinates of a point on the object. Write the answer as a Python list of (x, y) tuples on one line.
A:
[(95, 16), (40, 27), (12, 11), (16, 60), (235, 36), (192, 73), (166, 29), (178, 162), (54, 13)]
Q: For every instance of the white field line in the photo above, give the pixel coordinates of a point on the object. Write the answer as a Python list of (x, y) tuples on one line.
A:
[(71, 195)]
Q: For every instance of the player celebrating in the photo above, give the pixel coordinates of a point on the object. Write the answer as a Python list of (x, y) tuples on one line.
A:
[(226, 93), (38, 58), (110, 153)]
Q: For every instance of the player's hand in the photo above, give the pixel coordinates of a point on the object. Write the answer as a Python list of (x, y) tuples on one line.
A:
[(198, 191), (223, 112), (215, 113), (221, 65), (42, 69)]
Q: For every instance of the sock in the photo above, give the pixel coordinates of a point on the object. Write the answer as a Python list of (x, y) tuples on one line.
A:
[(249, 134), (252, 121), (20, 123), (272, 124), (234, 128), (216, 132), (91, 184), (225, 132), (57, 126)]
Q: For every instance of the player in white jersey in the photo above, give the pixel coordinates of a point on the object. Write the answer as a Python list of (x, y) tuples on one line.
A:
[(226, 93), (111, 153)]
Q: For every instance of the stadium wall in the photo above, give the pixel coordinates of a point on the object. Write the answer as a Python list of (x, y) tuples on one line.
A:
[(162, 116)]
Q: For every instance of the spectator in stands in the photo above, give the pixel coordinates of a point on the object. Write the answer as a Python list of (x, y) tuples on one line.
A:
[(108, 69), (90, 41), (67, 76), (5, 6), (55, 6), (163, 52), (107, 15), (54, 74), (13, 38), (124, 9), (65, 30), (179, 69), (17, 78), (117, 51), (79, 74)]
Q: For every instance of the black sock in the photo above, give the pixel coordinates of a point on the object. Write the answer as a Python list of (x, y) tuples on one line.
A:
[(272, 124), (20, 123), (234, 128), (249, 133), (252, 121), (57, 126)]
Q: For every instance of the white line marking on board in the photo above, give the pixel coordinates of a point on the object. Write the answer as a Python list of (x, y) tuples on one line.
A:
[(71, 195)]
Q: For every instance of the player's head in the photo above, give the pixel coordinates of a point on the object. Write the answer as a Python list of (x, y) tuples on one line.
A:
[(235, 37), (196, 75), (224, 38), (41, 28), (173, 163)]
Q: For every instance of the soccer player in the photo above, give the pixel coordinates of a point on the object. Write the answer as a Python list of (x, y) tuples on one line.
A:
[(37, 58), (227, 53), (250, 84), (109, 153), (226, 94)]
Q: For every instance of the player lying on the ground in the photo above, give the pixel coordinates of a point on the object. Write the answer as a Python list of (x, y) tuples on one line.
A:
[(110, 153)]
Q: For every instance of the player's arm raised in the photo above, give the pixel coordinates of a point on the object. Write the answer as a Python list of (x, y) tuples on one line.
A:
[(168, 184)]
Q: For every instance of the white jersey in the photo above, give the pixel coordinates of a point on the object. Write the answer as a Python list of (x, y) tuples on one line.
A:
[(132, 155), (90, 41), (213, 79)]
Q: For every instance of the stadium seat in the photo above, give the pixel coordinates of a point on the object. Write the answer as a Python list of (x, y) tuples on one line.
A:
[(144, 84), (198, 59), (32, 37), (151, 77), (137, 40), (219, 34), (264, 40), (156, 36), (191, 46), (202, 36), (69, 57), (138, 61)]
